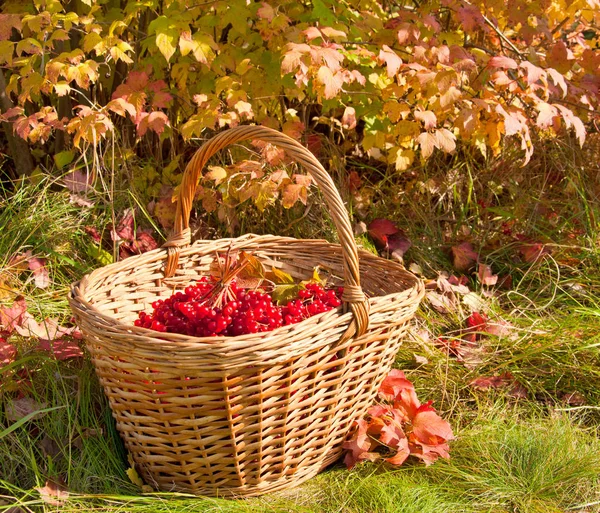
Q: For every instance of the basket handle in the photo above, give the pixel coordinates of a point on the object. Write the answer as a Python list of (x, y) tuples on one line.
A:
[(353, 295)]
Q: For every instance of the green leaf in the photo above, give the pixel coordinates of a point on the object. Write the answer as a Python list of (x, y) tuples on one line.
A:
[(63, 158), (284, 292), (322, 13), (166, 36), (102, 256)]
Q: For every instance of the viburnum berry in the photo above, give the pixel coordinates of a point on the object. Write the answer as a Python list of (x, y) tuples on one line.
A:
[(203, 310)]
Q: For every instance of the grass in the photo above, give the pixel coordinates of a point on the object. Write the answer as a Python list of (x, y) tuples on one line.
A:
[(535, 453)]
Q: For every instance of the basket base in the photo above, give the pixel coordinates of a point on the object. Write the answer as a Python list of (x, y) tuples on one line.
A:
[(277, 485)]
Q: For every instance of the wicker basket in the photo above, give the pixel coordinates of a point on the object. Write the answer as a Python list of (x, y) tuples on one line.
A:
[(241, 416)]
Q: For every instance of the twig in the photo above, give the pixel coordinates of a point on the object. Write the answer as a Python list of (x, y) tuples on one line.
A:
[(555, 29), (499, 32)]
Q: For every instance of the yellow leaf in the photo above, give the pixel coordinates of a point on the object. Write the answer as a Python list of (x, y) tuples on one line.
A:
[(279, 276), (427, 142), (94, 41), (134, 477), (166, 36), (62, 88), (216, 173), (6, 52), (332, 82), (404, 159), (396, 111), (406, 131), (202, 46)]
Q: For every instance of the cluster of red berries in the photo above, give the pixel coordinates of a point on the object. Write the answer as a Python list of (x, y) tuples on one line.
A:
[(194, 313)]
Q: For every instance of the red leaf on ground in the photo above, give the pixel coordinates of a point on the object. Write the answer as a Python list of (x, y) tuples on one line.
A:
[(485, 275), (398, 244), (430, 453), (530, 253), (144, 242), (403, 452), (7, 352), (62, 348), (430, 429), (573, 399), (53, 493), (48, 329), (93, 233), (10, 317), (394, 383), (41, 276), (392, 434), (477, 321), (463, 256), (500, 381), (124, 230), (358, 445), (380, 230), (354, 182)]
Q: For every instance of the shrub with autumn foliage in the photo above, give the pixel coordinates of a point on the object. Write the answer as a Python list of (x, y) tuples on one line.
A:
[(394, 81)]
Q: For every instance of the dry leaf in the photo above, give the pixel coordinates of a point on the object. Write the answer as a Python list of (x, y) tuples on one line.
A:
[(20, 408), (54, 493)]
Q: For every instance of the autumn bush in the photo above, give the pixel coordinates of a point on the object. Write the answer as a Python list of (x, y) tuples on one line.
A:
[(391, 83)]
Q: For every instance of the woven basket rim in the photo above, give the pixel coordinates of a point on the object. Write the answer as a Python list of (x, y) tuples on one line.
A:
[(180, 341)]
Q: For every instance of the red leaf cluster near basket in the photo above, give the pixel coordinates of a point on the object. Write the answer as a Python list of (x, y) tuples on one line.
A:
[(237, 299), (399, 427)]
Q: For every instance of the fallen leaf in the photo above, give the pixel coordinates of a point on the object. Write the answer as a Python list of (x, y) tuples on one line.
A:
[(360, 228), (421, 360), (8, 352), (20, 408), (80, 201), (77, 181), (53, 493), (443, 304), (486, 276), (474, 302), (358, 445), (144, 242), (573, 399), (393, 384), (125, 229), (380, 230), (40, 272), (463, 256), (93, 233), (530, 253), (430, 429), (10, 317), (452, 285), (505, 380), (415, 269), (62, 348), (430, 453), (403, 452)]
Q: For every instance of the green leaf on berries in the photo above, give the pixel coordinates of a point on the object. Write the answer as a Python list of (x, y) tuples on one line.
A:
[(285, 292)]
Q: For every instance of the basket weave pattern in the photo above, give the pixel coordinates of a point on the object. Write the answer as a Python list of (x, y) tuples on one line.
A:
[(243, 415)]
